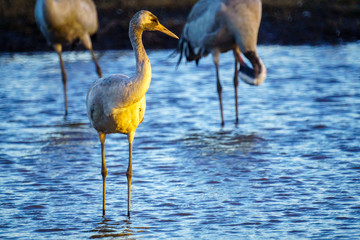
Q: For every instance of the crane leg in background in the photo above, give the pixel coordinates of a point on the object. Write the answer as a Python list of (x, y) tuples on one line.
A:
[(58, 49), (98, 69), (86, 40), (236, 84), (218, 84)]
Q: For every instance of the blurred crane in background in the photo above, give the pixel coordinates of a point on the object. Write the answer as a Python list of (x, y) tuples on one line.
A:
[(217, 26), (63, 22)]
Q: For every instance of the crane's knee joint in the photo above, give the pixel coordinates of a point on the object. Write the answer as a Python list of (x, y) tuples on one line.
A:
[(236, 82), (64, 80), (129, 174), (219, 87), (104, 173)]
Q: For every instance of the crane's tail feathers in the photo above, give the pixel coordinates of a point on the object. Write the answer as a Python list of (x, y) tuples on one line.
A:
[(255, 75), (180, 49), (173, 54), (185, 49)]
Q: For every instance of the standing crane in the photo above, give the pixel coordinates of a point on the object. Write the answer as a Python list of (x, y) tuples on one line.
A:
[(64, 21), (217, 26), (116, 104)]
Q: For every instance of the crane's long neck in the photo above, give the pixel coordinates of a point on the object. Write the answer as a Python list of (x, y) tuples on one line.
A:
[(141, 81)]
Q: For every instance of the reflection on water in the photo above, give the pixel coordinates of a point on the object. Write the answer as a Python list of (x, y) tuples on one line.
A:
[(221, 142), (109, 228), (289, 170)]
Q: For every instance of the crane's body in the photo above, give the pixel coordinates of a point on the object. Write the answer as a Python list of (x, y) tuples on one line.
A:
[(113, 108), (116, 104), (216, 26), (63, 22)]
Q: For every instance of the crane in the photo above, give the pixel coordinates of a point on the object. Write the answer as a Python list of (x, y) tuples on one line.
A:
[(64, 21), (116, 104), (217, 26)]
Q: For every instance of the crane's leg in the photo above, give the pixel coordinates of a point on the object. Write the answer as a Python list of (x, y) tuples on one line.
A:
[(98, 69), (87, 43), (129, 171), (58, 49), (218, 84), (236, 83), (104, 171)]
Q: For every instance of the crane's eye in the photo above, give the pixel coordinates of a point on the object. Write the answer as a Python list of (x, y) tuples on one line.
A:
[(154, 20)]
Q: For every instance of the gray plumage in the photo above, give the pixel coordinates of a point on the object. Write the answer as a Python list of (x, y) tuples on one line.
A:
[(116, 104), (64, 21), (217, 26)]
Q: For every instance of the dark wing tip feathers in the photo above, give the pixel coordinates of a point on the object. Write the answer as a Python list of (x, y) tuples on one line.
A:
[(180, 49), (184, 48)]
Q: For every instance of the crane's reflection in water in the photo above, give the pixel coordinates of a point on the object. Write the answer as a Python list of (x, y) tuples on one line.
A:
[(110, 228)]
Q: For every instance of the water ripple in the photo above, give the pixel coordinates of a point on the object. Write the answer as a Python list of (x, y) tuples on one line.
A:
[(288, 170)]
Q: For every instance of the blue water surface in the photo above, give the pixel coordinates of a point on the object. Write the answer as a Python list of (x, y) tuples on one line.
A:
[(289, 170)]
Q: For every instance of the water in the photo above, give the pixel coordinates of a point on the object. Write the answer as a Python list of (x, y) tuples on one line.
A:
[(289, 170)]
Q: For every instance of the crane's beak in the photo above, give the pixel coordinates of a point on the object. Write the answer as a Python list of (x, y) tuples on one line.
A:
[(163, 29)]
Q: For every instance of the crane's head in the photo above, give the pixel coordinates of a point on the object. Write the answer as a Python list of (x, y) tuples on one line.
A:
[(149, 22), (255, 75)]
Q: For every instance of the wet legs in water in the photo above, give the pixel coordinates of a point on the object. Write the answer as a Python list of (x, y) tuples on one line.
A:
[(218, 84), (129, 171), (236, 82), (58, 49), (104, 171)]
